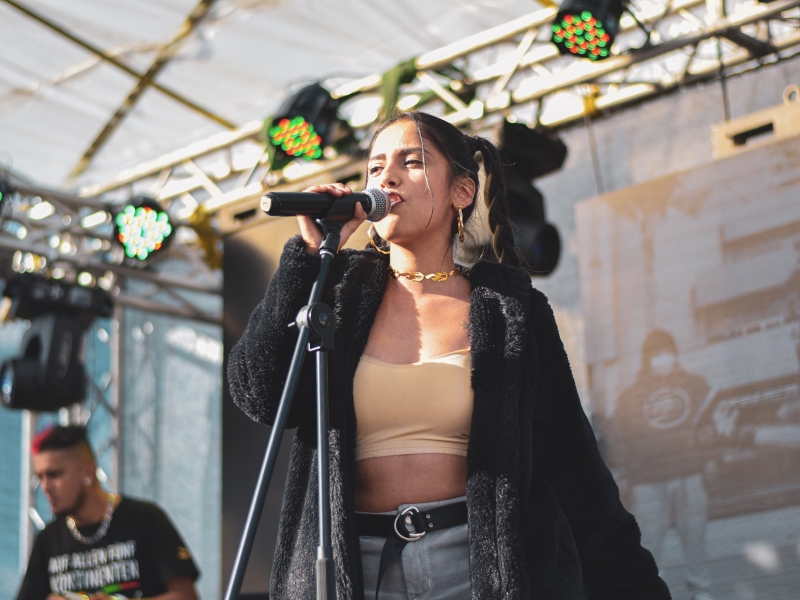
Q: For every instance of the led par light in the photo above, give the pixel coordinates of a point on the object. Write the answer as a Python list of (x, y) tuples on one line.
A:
[(297, 137), (143, 229), (587, 28), (305, 124)]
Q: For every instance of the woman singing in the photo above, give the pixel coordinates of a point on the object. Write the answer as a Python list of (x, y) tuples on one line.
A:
[(462, 465)]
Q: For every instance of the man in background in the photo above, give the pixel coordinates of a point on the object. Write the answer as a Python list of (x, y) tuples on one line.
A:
[(100, 545), (659, 456)]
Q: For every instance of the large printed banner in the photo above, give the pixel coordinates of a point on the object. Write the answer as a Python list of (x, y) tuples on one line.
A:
[(690, 285)]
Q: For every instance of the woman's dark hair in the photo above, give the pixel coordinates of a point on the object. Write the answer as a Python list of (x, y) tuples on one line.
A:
[(459, 151)]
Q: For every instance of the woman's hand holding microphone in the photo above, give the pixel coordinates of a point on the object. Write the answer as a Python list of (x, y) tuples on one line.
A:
[(311, 233)]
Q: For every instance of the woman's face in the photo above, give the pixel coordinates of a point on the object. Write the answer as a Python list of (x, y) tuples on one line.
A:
[(420, 205)]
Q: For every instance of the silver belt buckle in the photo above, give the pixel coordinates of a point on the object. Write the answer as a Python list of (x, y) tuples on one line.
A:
[(408, 537)]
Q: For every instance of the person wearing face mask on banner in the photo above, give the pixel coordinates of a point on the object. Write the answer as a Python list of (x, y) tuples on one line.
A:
[(660, 456), (462, 464)]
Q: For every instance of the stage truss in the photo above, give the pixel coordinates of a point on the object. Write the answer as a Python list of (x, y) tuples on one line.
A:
[(43, 230), (212, 187), (515, 71)]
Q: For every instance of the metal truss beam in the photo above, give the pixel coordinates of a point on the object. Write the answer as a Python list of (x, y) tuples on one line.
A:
[(165, 54), (166, 281), (99, 52), (219, 142), (67, 199), (166, 309)]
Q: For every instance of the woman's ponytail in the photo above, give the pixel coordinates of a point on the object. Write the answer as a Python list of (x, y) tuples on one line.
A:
[(494, 198)]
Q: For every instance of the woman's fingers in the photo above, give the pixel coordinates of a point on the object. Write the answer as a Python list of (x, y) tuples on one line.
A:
[(361, 214), (349, 228), (335, 189), (312, 236)]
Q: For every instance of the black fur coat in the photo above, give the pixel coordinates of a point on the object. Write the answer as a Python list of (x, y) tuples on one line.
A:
[(545, 520)]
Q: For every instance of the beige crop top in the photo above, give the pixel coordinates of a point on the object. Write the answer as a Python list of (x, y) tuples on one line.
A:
[(417, 408)]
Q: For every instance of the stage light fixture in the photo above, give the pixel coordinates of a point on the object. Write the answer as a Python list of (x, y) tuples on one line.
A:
[(530, 154), (304, 125), (587, 28), (534, 152), (5, 189), (297, 137), (48, 374), (143, 229), (5, 197)]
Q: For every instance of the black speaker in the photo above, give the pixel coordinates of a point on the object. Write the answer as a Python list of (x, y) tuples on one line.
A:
[(49, 374), (537, 240), (539, 243), (531, 151)]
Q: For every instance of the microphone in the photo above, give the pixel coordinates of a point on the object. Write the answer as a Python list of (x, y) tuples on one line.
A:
[(321, 206)]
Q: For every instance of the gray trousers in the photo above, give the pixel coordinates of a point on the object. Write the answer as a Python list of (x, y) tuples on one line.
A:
[(436, 567)]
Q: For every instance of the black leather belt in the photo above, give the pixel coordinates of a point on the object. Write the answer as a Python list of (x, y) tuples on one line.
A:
[(408, 526)]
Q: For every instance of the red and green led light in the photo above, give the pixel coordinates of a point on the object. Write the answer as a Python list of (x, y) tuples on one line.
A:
[(297, 138), (581, 34), (142, 230)]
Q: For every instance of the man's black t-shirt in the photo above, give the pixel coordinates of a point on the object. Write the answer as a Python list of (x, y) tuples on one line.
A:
[(656, 419), (139, 554)]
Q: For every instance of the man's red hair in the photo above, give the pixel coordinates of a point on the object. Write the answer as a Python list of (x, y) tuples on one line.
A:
[(41, 437)]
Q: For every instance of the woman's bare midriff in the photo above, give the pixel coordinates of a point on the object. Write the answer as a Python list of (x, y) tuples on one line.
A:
[(383, 483)]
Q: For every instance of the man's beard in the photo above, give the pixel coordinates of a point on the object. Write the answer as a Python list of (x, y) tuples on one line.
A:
[(77, 505)]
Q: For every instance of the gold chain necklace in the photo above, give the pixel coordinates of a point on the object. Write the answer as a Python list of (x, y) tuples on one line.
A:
[(417, 276)]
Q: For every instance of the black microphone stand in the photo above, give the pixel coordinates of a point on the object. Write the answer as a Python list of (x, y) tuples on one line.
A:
[(315, 320)]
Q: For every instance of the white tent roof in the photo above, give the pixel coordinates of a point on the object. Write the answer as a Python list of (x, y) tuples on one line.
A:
[(239, 63)]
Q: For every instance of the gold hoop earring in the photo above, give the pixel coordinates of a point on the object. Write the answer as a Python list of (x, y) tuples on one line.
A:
[(370, 233), (460, 225)]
